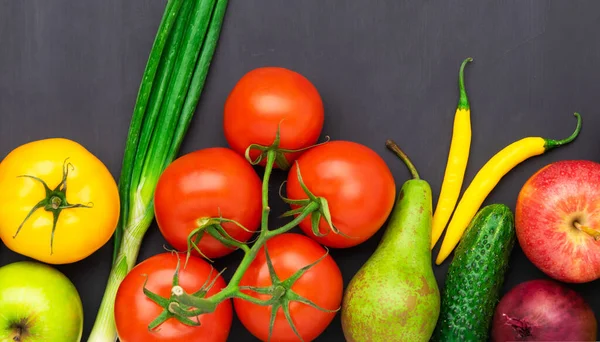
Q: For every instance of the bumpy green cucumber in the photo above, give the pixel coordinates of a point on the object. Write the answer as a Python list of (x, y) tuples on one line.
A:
[(475, 276)]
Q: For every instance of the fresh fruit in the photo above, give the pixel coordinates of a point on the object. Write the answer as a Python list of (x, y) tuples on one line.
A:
[(209, 183), (476, 275), (143, 298), (558, 220), (38, 304), (395, 296), (488, 177), (267, 99), (543, 310), (356, 183), (320, 282), (60, 203)]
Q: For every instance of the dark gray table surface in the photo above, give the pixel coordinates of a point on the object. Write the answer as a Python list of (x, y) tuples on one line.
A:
[(384, 69)]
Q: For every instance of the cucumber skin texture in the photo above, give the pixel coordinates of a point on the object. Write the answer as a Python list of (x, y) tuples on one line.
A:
[(476, 275)]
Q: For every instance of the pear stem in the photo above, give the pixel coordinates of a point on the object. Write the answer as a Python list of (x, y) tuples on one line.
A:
[(591, 232), (390, 144)]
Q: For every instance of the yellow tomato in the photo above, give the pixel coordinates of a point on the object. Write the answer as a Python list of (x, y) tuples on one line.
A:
[(59, 202)]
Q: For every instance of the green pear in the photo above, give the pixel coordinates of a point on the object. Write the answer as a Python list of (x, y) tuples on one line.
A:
[(395, 296)]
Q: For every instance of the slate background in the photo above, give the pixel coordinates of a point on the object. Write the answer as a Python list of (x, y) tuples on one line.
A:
[(384, 69)]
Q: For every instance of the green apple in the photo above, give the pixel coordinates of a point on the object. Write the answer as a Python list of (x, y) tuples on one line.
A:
[(38, 303)]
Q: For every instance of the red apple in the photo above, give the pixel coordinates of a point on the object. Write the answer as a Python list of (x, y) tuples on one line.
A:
[(557, 220)]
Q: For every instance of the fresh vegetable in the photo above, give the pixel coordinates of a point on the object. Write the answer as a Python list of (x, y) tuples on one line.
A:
[(189, 305), (488, 177), (395, 296), (144, 297), (38, 304), (289, 261), (60, 203), (357, 185), (543, 310), (458, 158), (558, 220), (269, 99), (476, 276), (208, 183), (169, 92)]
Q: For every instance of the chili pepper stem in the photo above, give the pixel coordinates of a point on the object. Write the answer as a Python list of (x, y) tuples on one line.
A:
[(390, 144), (463, 101), (550, 143)]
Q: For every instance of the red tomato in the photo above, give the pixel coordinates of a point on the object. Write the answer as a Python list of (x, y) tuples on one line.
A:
[(322, 284), (208, 183), (263, 99), (134, 310), (357, 184)]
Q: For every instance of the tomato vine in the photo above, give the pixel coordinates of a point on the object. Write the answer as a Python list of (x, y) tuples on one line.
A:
[(183, 306)]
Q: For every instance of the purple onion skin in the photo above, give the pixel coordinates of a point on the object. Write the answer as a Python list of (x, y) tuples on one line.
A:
[(543, 310)]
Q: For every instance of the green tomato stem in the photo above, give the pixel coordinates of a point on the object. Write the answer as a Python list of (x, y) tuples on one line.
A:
[(264, 225), (251, 254), (309, 209), (255, 300)]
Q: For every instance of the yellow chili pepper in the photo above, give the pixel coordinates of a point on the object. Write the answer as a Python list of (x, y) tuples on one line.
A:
[(488, 177), (458, 156)]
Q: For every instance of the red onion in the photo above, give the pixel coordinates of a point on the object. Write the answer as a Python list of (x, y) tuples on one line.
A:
[(543, 310)]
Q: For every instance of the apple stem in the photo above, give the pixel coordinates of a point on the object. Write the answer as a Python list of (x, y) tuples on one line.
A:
[(17, 336), (591, 232)]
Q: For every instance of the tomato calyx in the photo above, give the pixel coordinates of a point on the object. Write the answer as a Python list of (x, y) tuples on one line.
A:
[(279, 159), (173, 307), (282, 294), (54, 202), (213, 227), (300, 206)]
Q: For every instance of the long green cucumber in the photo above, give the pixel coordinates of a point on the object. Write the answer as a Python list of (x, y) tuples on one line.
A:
[(476, 275)]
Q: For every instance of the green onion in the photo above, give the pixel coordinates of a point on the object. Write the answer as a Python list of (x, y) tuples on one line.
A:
[(208, 50), (171, 86)]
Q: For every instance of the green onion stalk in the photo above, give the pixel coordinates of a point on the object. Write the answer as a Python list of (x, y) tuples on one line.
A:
[(169, 92)]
